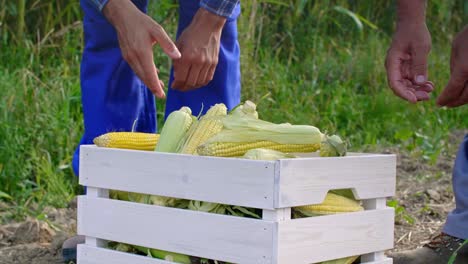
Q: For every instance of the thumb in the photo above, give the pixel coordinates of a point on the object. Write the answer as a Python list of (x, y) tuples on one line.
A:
[(161, 37), (454, 88), (419, 65)]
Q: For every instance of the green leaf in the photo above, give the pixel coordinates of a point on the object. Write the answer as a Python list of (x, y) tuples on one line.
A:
[(351, 14), (5, 196)]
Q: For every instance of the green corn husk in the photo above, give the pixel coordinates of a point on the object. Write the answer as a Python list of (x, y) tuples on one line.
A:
[(250, 130), (247, 109), (332, 146), (266, 154), (174, 130)]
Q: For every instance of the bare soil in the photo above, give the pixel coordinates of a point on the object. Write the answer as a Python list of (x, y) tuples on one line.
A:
[(424, 191)]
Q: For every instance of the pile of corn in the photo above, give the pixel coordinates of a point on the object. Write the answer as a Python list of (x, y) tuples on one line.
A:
[(222, 134), (239, 133)]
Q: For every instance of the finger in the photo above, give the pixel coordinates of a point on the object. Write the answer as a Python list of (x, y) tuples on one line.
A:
[(181, 71), (463, 98), (394, 65), (203, 77), (422, 95), (210, 74), (193, 77), (150, 74), (419, 64), (160, 36), (453, 90)]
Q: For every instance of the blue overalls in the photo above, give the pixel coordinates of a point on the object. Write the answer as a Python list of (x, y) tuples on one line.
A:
[(457, 221), (113, 97)]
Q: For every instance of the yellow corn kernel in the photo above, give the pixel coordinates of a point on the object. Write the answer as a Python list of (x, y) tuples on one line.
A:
[(209, 125), (348, 260), (332, 204), (127, 140), (235, 149)]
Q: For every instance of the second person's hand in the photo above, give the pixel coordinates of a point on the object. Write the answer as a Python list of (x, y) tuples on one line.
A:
[(456, 92), (137, 34)]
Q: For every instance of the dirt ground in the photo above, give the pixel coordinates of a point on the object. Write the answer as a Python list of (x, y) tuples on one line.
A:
[(424, 191)]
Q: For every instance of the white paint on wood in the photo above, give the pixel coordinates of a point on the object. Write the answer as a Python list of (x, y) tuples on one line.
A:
[(383, 261), (307, 180), (372, 204), (220, 237), (275, 216), (316, 239), (93, 255), (223, 180), (93, 192)]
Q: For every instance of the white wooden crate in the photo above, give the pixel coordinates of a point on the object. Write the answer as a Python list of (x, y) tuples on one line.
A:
[(274, 186)]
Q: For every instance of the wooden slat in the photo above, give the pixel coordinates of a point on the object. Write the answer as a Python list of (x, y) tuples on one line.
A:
[(384, 261), (307, 180), (220, 237), (94, 255), (316, 239), (224, 180)]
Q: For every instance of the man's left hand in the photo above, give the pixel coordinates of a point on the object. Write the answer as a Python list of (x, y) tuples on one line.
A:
[(199, 45)]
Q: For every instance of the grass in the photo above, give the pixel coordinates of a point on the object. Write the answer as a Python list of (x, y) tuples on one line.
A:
[(316, 63)]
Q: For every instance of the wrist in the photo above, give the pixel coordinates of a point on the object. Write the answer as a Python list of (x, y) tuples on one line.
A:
[(115, 11), (208, 20), (411, 12)]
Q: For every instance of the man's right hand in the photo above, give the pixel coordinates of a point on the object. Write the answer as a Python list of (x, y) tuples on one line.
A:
[(137, 34), (406, 61)]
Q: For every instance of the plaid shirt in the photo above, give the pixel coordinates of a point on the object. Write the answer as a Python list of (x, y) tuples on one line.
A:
[(219, 7)]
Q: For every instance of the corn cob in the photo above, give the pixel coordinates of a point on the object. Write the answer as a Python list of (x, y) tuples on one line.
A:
[(174, 131), (236, 149), (266, 154), (348, 260), (127, 140), (333, 204), (209, 125)]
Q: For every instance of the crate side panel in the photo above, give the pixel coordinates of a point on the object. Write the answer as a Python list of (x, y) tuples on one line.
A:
[(321, 238), (383, 261), (94, 255), (228, 181), (220, 237), (307, 180)]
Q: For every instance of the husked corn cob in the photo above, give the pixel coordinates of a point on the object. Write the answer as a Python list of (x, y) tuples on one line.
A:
[(209, 125), (127, 140), (235, 149), (348, 260), (333, 204)]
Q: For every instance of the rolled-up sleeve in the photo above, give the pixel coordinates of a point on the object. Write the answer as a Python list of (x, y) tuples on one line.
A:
[(222, 8), (98, 4)]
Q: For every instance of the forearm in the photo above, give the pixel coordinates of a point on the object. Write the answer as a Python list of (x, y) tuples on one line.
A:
[(98, 4), (223, 8), (116, 10), (411, 11)]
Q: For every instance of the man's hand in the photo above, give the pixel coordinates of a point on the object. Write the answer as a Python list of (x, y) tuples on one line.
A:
[(406, 61), (456, 92), (199, 44), (137, 34)]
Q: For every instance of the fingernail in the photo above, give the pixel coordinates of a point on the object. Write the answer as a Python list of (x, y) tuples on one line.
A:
[(176, 53), (420, 79)]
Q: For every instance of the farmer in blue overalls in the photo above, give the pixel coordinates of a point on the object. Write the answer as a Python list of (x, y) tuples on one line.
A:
[(407, 76), (119, 77)]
